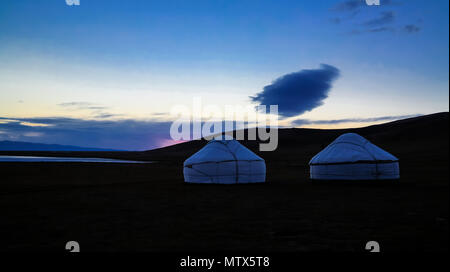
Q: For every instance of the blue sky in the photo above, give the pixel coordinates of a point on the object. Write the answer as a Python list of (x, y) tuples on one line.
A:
[(129, 62)]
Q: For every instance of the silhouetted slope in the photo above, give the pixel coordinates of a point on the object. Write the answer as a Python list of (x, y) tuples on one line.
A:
[(429, 132)]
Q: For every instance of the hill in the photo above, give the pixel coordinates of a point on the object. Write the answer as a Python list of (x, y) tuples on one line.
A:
[(295, 143)]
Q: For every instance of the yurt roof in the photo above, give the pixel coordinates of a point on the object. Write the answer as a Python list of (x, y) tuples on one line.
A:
[(352, 148), (221, 151)]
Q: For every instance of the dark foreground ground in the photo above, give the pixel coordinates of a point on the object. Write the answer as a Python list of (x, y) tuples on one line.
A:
[(147, 207)]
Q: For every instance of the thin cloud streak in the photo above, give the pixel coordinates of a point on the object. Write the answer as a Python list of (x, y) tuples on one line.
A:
[(411, 28), (350, 5), (82, 105), (386, 17), (96, 111), (300, 122)]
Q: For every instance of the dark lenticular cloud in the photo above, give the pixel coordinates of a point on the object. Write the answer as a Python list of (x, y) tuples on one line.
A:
[(299, 92)]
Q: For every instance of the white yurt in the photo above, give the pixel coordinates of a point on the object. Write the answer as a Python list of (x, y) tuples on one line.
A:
[(225, 162), (352, 157)]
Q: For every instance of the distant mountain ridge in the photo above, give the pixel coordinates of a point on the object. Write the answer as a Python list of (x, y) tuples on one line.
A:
[(27, 146)]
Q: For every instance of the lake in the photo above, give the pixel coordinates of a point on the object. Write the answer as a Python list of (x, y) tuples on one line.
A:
[(62, 159)]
